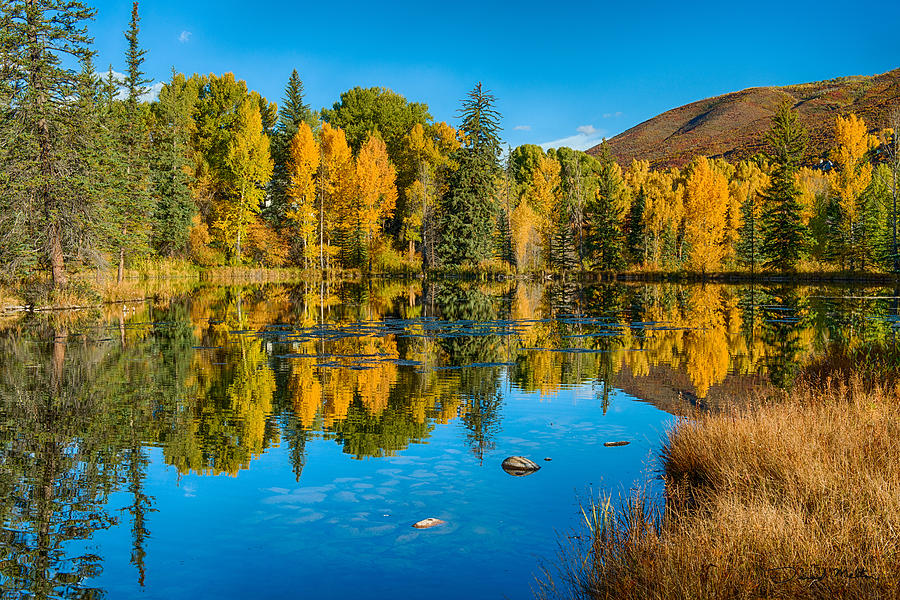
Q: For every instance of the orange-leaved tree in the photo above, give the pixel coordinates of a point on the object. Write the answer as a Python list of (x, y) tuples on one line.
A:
[(302, 168), (705, 209), (377, 182), (338, 193)]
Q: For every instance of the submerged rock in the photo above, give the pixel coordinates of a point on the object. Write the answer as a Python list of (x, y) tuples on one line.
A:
[(611, 444), (428, 523), (519, 466)]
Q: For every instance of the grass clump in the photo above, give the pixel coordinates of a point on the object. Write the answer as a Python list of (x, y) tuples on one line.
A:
[(797, 497)]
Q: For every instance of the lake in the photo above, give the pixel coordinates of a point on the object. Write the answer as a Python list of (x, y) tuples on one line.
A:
[(281, 440)]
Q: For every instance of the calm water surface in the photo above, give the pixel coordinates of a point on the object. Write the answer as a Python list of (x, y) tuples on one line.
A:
[(281, 440)]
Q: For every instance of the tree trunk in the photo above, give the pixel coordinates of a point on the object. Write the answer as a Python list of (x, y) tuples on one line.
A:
[(321, 231), (36, 79), (120, 276), (57, 260)]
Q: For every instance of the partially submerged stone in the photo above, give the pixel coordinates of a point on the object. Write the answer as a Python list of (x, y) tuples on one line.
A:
[(428, 523), (519, 466), (611, 444)]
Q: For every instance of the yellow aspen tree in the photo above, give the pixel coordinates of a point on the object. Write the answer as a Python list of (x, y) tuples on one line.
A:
[(637, 174), (705, 208), (526, 236), (249, 169), (428, 149), (302, 167), (851, 176), (543, 196), (663, 211), (339, 190), (733, 219), (812, 184), (377, 182), (815, 197)]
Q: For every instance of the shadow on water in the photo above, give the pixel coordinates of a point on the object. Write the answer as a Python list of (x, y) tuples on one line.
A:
[(216, 379)]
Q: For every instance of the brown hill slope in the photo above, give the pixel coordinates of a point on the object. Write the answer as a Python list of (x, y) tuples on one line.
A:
[(733, 125)]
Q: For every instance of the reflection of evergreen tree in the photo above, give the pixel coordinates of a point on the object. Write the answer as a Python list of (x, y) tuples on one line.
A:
[(784, 318), (470, 306), (364, 434), (749, 300), (58, 466), (140, 506), (849, 319), (480, 390), (478, 387)]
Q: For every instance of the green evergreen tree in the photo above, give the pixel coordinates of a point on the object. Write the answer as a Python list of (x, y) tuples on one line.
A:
[(604, 241), (469, 206), (875, 244), (783, 232), (748, 244), (174, 206), (505, 251), (294, 111), (133, 206), (43, 136), (637, 239)]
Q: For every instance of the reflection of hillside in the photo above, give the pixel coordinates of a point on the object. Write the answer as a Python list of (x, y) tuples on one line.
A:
[(672, 391)]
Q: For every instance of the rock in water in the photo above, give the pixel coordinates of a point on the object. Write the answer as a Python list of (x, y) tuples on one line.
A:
[(428, 523), (519, 466), (611, 444)]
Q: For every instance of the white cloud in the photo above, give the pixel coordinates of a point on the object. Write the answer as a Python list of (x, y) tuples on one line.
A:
[(150, 95), (153, 92), (588, 136), (611, 115), (522, 128), (185, 36)]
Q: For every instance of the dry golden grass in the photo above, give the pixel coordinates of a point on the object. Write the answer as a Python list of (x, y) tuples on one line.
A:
[(798, 497), (8, 298), (228, 275)]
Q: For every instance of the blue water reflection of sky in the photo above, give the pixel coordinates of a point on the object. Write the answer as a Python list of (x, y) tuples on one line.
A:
[(345, 527)]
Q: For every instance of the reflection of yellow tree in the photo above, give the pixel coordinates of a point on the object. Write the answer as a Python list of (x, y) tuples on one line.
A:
[(706, 347), (706, 358), (250, 399), (232, 390), (304, 387)]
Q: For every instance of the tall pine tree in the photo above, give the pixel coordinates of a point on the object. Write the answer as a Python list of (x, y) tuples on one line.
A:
[(133, 204), (45, 217), (171, 179), (294, 111), (469, 206), (604, 240), (783, 232)]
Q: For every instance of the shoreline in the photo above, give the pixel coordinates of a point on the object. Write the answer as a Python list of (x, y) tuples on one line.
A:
[(98, 290), (802, 484)]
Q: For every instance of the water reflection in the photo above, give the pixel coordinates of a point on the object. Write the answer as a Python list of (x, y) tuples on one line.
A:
[(216, 378)]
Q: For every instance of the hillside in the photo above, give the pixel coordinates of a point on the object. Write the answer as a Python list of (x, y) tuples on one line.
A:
[(733, 125)]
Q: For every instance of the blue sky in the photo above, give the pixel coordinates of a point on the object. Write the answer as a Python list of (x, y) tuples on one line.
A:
[(563, 73)]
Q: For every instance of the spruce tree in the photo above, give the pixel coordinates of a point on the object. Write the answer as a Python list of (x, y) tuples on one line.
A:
[(469, 206), (133, 205), (292, 113), (783, 232), (603, 216), (174, 206), (44, 215), (637, 238), (748, 246)]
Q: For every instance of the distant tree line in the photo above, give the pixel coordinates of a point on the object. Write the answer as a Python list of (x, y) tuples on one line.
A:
[(96, 173)]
